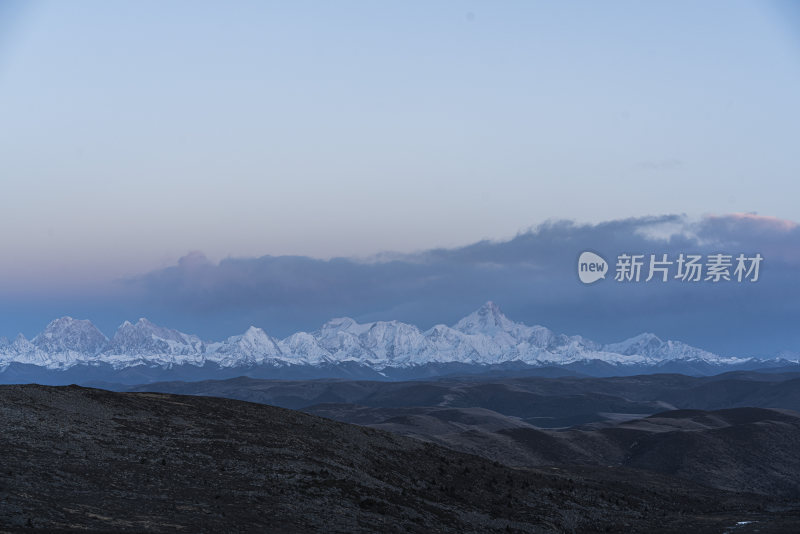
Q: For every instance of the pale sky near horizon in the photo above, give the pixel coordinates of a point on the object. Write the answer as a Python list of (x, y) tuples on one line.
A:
[(135, 132)]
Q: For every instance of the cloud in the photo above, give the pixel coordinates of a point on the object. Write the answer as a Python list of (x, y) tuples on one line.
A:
[(531, 276)]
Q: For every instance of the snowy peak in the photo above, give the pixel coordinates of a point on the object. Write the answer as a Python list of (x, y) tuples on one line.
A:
[(255, 334), (22, 345), (644, 344), (343, 324), (145, 338), (488, 319), (254, 346), (484, 337), (393, 340), (68, 334), (652, 347), (305, 348)]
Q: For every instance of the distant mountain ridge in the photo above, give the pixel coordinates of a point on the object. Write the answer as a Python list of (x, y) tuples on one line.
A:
[(484, 339)]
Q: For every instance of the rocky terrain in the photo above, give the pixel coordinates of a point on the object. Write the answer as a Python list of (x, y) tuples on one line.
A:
[(743, 449), (712, 430), (85, 459)]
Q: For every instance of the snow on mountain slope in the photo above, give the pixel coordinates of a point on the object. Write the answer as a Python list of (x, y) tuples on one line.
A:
[(487, 320), (304, 349), (251, 348), (68, 334), (23, 351), (146, 338), (148, 343), (394, 341), (483, 337), (650, 346)]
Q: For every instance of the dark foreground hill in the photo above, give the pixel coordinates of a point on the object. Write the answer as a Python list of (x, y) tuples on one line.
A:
[(86, 459), (740, 449)]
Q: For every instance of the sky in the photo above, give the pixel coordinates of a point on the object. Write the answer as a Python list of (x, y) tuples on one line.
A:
[(139, 137)]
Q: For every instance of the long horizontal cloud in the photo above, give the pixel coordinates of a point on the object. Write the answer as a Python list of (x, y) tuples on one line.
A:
[(532, 277)]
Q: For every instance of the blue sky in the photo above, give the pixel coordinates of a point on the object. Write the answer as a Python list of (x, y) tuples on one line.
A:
[(134, 133)]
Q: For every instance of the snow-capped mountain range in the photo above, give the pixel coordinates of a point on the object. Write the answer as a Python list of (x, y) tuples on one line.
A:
[(484, 338)]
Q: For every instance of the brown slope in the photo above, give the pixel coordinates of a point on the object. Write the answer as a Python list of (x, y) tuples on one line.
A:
[(84, 459)]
